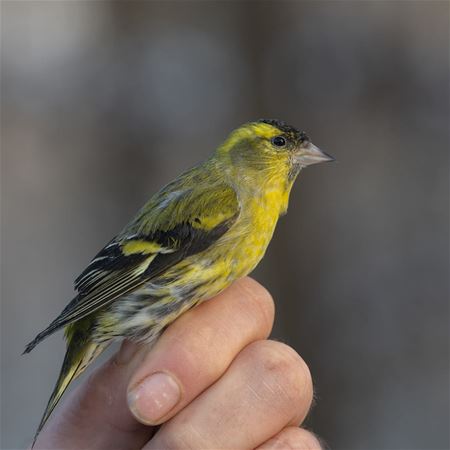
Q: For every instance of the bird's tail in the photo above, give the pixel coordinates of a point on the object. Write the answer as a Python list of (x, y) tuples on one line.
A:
[(81, 351)]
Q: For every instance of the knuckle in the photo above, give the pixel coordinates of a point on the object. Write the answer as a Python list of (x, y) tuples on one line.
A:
[(260, 303), (283, 369)]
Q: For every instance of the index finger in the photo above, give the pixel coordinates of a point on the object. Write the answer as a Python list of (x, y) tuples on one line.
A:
[(197, 349)]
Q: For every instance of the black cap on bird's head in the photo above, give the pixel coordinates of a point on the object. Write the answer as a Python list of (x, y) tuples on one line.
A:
[(289, 130)]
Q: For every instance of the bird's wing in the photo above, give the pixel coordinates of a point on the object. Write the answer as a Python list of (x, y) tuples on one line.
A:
[(183, 227)]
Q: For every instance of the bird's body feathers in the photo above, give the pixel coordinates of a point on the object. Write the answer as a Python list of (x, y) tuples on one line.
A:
[(201, 232)]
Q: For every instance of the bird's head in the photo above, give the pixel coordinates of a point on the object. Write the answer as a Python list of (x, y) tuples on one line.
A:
[(270, 145)]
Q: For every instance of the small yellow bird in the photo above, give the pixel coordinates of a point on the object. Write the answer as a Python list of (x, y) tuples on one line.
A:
[(192, 239)]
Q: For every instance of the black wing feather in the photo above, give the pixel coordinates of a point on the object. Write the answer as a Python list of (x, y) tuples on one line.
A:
[(115, 270)]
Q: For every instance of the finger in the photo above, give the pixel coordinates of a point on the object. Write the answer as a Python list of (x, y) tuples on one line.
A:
[(267, 388), (197, 349), (292, 438), (96, 414)]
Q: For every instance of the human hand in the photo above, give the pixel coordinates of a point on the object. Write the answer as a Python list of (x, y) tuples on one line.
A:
[(212, 379)]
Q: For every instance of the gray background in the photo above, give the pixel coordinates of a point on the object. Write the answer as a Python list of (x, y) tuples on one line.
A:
[(102, 103)]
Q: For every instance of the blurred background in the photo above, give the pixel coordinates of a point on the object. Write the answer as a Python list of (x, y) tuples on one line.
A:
[(104, 102)]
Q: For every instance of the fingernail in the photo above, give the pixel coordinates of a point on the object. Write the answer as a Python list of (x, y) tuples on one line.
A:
[(154, 397)]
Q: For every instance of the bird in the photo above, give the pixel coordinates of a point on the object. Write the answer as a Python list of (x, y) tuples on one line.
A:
[(191, 240)]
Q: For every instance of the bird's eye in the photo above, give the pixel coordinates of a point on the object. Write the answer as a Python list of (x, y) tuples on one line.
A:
[(279, 141)]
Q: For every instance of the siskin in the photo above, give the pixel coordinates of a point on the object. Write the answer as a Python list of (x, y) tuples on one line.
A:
[(192, 239)]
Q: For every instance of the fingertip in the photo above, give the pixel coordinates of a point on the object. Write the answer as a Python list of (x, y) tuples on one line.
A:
[(154, 397)]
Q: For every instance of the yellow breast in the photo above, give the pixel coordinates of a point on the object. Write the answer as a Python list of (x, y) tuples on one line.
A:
[(259, 216), (239, 251)]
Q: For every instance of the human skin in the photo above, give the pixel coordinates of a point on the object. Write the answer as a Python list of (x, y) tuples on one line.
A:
[(218, 383)]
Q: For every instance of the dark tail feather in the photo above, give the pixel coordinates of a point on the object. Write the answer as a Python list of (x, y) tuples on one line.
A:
[(81, 351), (60, 322), (40, 337)]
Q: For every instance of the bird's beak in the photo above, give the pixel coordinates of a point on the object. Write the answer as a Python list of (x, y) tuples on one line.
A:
[(309, 154)]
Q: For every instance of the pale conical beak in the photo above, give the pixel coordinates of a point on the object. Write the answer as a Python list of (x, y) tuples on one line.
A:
[(309, 154)]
